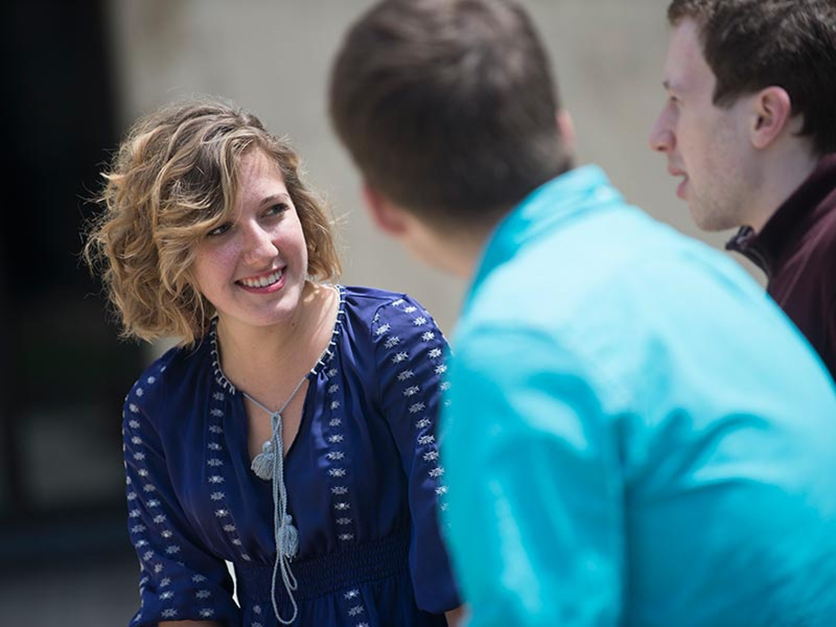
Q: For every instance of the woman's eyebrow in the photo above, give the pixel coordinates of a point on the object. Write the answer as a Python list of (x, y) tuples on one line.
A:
[(283, 197)]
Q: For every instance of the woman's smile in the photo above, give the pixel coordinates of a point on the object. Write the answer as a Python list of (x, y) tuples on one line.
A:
[(264, 283)]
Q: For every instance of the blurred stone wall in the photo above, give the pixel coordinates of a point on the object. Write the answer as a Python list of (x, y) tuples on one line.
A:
[(273, 57)]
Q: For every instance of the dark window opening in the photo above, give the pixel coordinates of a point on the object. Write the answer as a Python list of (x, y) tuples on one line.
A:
[(63, 371)]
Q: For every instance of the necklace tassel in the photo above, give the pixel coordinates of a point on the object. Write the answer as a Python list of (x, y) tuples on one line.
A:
[(262, 464)]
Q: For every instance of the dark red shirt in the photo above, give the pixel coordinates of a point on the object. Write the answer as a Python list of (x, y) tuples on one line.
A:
[(797, 250)]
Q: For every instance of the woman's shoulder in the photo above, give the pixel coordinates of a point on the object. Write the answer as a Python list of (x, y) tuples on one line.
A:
[(370, 296), (391, 318), (372, 300), (175, 371)]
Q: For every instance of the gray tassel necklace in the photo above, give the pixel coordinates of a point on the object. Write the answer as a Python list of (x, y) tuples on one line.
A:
[(269, 465)]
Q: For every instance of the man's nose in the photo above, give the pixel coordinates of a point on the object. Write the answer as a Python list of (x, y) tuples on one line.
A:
[(661, 137)]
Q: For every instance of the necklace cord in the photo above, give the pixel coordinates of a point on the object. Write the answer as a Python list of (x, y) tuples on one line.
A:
[(269, 464)]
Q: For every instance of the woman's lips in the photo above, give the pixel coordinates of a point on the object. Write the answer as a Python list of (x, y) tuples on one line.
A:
[(265, 283)]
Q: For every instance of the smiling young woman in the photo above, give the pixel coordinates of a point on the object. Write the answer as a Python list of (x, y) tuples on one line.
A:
[(292, 431)]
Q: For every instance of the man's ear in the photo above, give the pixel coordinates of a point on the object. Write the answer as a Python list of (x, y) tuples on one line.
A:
[(566, 128), (772, 111), (386, 216)]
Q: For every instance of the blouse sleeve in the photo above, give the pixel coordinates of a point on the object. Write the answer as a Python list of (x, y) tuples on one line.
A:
[(179, 578), (410, 352)]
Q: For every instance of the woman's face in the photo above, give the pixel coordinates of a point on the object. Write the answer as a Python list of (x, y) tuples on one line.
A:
[(253, 268)]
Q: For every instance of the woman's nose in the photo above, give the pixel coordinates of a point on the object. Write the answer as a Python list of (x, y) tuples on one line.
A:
[(259, 245)]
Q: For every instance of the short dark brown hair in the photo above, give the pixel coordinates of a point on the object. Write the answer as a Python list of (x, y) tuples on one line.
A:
[(175, 178), (754, 44), (448, 107)]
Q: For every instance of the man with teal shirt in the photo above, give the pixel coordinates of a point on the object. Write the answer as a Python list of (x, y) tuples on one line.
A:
[(636, 434)]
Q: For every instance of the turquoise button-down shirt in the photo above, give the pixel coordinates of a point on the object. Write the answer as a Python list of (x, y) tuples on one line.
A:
[(635, 433)]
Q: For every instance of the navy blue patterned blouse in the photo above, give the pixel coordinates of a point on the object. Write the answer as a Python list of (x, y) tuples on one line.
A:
[(363, 479)]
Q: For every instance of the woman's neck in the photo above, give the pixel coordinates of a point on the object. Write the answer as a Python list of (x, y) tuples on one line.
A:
[(253, 355)]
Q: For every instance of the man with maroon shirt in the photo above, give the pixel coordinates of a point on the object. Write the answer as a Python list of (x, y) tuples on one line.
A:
[(750, 126)]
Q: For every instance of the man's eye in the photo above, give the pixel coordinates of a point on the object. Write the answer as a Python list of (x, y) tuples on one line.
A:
[(219, 230)]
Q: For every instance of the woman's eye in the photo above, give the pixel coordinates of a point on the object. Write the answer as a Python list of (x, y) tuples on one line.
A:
[(276, 209), (219, 230)]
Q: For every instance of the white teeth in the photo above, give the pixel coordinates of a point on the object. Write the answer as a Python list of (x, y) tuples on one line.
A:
[(263, 281)]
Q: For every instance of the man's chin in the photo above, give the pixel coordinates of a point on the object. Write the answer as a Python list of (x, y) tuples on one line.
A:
[(708, 221)]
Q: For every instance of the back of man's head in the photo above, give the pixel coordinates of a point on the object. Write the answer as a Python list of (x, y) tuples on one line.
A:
[(448, 107), (754, 44)]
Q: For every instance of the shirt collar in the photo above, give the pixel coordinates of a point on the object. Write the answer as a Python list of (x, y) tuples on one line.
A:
[(795, 216), (560, 199)]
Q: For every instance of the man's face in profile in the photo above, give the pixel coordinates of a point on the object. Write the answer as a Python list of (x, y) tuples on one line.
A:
[(706, 145)]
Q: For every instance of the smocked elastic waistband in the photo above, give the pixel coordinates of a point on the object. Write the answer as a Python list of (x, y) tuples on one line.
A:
[(324, 574)]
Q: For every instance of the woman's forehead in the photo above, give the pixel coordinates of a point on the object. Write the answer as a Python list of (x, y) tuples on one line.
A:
[(260, 180)]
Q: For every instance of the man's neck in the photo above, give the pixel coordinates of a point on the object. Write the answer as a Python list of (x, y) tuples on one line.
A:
[(467, 249), (783, 175)]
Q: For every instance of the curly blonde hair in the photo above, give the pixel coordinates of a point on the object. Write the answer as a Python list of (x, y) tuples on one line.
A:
[(173, 179)]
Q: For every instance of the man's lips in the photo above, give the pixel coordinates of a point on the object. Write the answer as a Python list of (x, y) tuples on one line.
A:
[(680, 190)]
